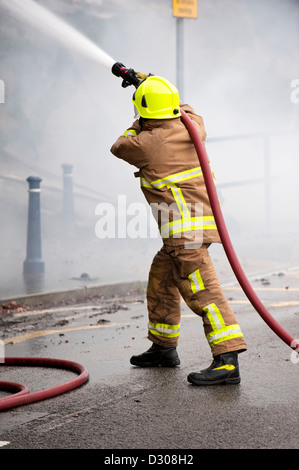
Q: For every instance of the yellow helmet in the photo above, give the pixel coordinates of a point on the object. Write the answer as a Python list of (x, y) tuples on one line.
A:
[(157, 98)]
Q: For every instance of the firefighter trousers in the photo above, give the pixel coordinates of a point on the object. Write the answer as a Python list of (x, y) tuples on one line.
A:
[(176, 272)]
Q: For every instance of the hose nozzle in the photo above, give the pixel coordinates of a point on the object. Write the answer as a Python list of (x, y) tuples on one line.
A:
[(129, 76)]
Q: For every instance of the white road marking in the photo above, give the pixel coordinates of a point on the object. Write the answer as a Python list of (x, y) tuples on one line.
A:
[(4, 443)]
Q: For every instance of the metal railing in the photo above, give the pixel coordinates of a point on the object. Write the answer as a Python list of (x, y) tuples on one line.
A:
[(266, 177)]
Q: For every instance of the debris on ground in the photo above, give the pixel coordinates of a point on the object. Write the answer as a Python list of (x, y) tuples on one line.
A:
[(13, 307)]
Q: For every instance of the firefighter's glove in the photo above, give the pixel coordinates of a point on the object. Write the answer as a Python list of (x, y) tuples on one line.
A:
[(142, 75)]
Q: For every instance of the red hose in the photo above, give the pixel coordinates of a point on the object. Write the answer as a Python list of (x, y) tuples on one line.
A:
[(226, 242), (23, 397), (14, 387)]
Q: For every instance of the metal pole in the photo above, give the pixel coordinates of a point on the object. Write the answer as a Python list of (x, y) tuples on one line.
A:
[(267, 180), (33, 263), (180, 56), (68, 197), (34, 266)]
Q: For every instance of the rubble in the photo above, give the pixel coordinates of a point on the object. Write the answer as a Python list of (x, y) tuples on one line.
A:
[(13, 307)]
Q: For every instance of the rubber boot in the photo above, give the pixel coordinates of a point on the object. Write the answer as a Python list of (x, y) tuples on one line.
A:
[(157, 356), (223, 370)]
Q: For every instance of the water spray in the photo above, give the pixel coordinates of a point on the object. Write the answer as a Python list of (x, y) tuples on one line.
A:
[(30, 12), (129, 77)]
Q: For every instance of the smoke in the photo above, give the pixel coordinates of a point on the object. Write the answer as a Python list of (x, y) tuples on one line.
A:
[(32, 13), (64, 107)]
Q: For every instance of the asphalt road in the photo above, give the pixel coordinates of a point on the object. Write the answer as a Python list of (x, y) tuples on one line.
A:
[(127, 408)]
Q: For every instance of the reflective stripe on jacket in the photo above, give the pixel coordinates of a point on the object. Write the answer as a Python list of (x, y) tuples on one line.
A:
[(170, 177)]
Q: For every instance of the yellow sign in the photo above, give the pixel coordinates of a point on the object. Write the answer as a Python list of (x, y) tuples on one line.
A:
[(184, 8)]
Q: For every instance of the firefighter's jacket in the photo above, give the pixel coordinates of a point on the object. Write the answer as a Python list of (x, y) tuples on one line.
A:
[(171, 177)]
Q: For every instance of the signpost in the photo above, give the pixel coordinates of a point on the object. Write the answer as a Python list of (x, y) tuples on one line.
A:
[(182, 9)]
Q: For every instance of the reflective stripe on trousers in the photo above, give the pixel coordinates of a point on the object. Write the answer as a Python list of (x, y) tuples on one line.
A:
[(166, 331), (220, 332), (196, 281)]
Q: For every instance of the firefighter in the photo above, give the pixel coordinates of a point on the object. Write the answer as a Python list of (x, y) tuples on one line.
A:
[(159, 146)]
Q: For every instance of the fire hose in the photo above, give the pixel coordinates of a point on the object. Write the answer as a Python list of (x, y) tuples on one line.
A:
[(130, 77), (23, 395)]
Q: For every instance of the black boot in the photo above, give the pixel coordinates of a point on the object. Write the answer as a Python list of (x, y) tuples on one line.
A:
[(223, 370), (157, 356)]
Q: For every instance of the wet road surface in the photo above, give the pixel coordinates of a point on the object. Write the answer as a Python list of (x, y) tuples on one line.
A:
[(123, 407)]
